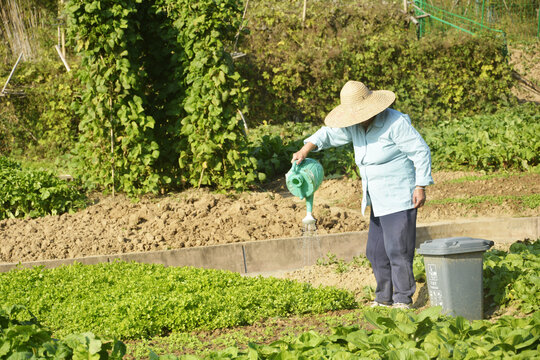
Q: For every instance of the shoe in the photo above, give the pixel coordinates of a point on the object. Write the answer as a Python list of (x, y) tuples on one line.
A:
[(401, 306), (376, 304)]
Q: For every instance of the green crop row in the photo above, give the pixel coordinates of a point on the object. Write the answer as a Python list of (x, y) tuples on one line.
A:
[(34, 192), (131, 300), (182, 294), (396, 334), (403, 335), (490, 176), (506, 140)]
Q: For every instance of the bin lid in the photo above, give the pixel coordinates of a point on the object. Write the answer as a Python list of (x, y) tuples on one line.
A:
[(454, 245)]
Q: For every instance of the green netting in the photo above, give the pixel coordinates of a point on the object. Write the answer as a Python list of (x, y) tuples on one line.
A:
[(519, 19)]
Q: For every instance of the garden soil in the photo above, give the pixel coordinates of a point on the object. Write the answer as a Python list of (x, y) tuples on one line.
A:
[(199, 217)]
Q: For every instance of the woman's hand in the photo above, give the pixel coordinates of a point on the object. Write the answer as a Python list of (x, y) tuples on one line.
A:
[(419, 197), (301, 154)]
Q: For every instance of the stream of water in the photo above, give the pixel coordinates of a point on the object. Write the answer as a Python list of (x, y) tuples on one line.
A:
[(311, 244)]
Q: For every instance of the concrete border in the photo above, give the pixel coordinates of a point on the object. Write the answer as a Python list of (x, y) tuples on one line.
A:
[(292, 253)]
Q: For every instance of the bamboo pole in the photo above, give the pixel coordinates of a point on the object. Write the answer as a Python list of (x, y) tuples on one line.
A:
[(234, 53), (538, 27), (304, 13), (246, 130), (483, 3), (59, 40), (12, 72), (15, 29), (63, 37), (59, 51)]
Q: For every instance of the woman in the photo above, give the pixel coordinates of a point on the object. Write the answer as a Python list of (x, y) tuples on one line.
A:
[(395, 166)]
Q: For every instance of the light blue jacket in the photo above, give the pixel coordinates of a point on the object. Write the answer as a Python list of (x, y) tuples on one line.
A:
[(392, 158)]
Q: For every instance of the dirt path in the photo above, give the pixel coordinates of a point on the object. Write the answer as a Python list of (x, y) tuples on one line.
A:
[(199, 217)]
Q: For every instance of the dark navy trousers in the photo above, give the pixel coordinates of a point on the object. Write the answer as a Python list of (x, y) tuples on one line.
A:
[(390, 249)]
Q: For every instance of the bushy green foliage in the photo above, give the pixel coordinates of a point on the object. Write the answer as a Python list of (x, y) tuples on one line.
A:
[(274, 145), (28, 339), (9, 164), (296, 72), (402, 335), (35, 193), (58, 124), (511, 278), (131, 300), (505, 140), (161, 98), (111, 107), (212, 150)]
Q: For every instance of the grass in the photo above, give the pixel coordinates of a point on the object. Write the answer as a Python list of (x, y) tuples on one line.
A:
[(530, 201)]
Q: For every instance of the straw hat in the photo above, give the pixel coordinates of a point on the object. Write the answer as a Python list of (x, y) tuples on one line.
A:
[(358, 104)]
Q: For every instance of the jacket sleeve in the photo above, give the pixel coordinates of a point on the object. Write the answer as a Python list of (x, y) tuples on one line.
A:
[(327, 137), (411, 143)]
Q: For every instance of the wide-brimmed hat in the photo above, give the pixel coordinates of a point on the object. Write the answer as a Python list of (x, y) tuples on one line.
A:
[(358, 104)]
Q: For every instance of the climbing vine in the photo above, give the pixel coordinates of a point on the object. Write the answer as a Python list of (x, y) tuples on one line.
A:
[(213, 149), (160, 105)]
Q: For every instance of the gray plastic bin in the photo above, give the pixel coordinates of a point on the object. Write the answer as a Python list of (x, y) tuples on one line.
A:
[(454, 274)]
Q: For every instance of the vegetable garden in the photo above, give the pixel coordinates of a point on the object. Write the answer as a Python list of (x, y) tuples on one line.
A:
[(174, 141), (180, 300)]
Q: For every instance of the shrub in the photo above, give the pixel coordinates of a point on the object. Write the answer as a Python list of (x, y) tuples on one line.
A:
[(296, 72)]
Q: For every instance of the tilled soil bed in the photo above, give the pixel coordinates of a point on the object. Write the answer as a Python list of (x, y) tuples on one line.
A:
[(199, 217)]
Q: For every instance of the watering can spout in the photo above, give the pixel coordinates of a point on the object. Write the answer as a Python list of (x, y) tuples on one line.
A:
[(303, 180)]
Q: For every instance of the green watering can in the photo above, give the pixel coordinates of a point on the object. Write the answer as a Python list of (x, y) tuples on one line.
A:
[(303, 180)]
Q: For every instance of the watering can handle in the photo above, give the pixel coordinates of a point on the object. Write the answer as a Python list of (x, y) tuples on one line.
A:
[(294, 166)]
